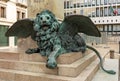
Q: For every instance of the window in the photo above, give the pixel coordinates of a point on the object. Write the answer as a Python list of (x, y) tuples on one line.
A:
[(64, 14), (74, 5), (23, 15), (81, 12), (3, 12), (78, 5), (3, 39), (67, 13), (97, 12), (97, 2), (89, 2), (93, 13), (101, 29), (85, 3), (105, 2), (93, 2), (66, 4), (118, 1), (38, 1), (101, 2), (18, 15), (105, 11), (112, 1), (118, 11), (101, 12)]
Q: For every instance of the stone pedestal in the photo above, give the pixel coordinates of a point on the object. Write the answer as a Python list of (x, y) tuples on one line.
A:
[(15, 65), (18, 66)]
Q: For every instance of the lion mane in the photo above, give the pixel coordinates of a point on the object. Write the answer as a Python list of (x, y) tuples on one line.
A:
[(46, 39)]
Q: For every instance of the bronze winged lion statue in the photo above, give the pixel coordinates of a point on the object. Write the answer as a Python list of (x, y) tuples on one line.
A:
[(55, 38)]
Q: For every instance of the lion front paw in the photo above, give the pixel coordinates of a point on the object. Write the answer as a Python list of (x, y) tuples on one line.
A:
[(51, 63)]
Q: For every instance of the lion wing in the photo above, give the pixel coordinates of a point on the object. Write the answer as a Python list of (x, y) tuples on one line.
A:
[(79, 24), (22, 29)]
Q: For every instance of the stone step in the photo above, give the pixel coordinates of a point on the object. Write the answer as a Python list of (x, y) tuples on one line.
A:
[(89, 72), (15, 75), (9, 54), (77, 67), (14, 54), (73, 69)]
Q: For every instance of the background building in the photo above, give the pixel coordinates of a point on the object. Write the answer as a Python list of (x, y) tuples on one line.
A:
[(10, 11), (104, 13)]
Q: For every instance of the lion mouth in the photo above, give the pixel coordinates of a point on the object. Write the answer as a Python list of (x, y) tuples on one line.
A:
[(45, 27)]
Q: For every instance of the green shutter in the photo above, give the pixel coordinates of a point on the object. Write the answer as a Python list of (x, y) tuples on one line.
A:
[(3, 39)]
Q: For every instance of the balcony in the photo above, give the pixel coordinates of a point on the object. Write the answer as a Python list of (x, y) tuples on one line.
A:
[(106, 20), (22, 3)]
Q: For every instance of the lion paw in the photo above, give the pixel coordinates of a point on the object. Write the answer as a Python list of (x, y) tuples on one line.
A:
[(51, 63)]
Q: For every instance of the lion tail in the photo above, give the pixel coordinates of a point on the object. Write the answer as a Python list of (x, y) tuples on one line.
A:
[(101, 60)]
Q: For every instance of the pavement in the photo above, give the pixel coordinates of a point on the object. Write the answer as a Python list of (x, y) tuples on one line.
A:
[(115, 47), (109, 64)]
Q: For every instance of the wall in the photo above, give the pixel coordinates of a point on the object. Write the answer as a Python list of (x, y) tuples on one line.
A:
[(35, 6)]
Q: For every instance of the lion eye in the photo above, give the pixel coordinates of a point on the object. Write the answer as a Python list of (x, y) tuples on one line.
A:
[(48, 18), (41, 18)]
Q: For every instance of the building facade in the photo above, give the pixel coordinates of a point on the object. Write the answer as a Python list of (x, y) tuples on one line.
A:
[(10, 11), (104, 13)]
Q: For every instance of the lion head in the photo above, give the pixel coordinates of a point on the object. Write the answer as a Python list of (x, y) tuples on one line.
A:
[(45, 19)]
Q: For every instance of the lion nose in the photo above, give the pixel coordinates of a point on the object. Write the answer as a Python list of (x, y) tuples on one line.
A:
[(44, 21)]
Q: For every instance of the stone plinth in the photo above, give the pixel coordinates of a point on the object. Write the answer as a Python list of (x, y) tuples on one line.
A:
[(18, 66)]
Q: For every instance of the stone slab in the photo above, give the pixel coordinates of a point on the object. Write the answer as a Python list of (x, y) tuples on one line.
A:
[(15, 75), (9, 55)]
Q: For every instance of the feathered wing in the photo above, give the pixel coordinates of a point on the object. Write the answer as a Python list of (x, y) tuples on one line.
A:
[(22, 29), (79, 24)]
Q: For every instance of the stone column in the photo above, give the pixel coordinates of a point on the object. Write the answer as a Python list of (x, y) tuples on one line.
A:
[(56, 6)]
